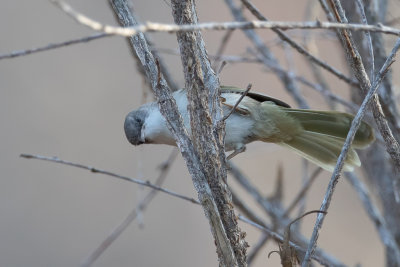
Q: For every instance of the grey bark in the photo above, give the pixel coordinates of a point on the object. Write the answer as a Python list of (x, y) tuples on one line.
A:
[(204, 156)]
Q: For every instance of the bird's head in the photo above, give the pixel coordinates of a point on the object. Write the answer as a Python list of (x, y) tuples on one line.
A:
[(133, 126)]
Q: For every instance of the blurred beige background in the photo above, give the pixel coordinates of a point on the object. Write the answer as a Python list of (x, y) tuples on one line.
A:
[(71, 103)]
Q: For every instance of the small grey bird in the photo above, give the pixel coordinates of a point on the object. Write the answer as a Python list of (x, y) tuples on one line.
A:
[(315, 135)]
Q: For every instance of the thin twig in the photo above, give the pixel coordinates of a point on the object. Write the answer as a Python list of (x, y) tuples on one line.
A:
[(238, 102), (170, 28), (96, 170), (53, 46), (339, 165), (132, 215), (223, 64), (369, 40), (221, 49)]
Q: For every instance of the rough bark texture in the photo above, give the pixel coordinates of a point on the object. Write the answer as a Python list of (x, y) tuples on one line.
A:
[(205, 116), (204, 158)]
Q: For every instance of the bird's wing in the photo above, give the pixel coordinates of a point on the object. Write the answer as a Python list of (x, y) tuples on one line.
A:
[(256, 96)]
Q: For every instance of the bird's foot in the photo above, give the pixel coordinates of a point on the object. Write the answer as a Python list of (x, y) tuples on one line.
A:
[(237, 150)]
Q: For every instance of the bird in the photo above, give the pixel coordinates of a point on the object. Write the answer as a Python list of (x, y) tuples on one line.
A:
[(316, 135)]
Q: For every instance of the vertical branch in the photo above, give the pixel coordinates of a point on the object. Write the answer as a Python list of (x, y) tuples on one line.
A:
[(205, 120), (168, 108)]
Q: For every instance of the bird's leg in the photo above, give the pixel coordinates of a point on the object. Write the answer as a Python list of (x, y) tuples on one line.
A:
[(238, 149)]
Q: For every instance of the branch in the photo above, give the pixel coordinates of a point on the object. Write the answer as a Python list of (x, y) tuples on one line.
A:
[(112, 174), (205, 113), (53, 46), (169, 110), (218, 26)]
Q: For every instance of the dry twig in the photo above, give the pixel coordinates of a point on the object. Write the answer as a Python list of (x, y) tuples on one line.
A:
[(26, 52), (218, 26), (112, 174)]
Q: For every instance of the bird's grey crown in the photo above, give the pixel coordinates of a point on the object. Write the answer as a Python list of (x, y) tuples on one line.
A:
[(133, 126)]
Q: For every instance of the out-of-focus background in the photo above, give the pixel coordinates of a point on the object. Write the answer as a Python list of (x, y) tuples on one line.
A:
[(71, 103)]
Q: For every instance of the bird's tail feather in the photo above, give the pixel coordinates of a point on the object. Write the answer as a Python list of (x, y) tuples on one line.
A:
[(333, 123), (322, 150), (323, 135)]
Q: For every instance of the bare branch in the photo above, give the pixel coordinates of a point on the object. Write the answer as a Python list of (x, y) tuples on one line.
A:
[(369, 40), (218, 26), (54, 46), (222, 48), (112, 174), (190, 151), (205, 113)]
